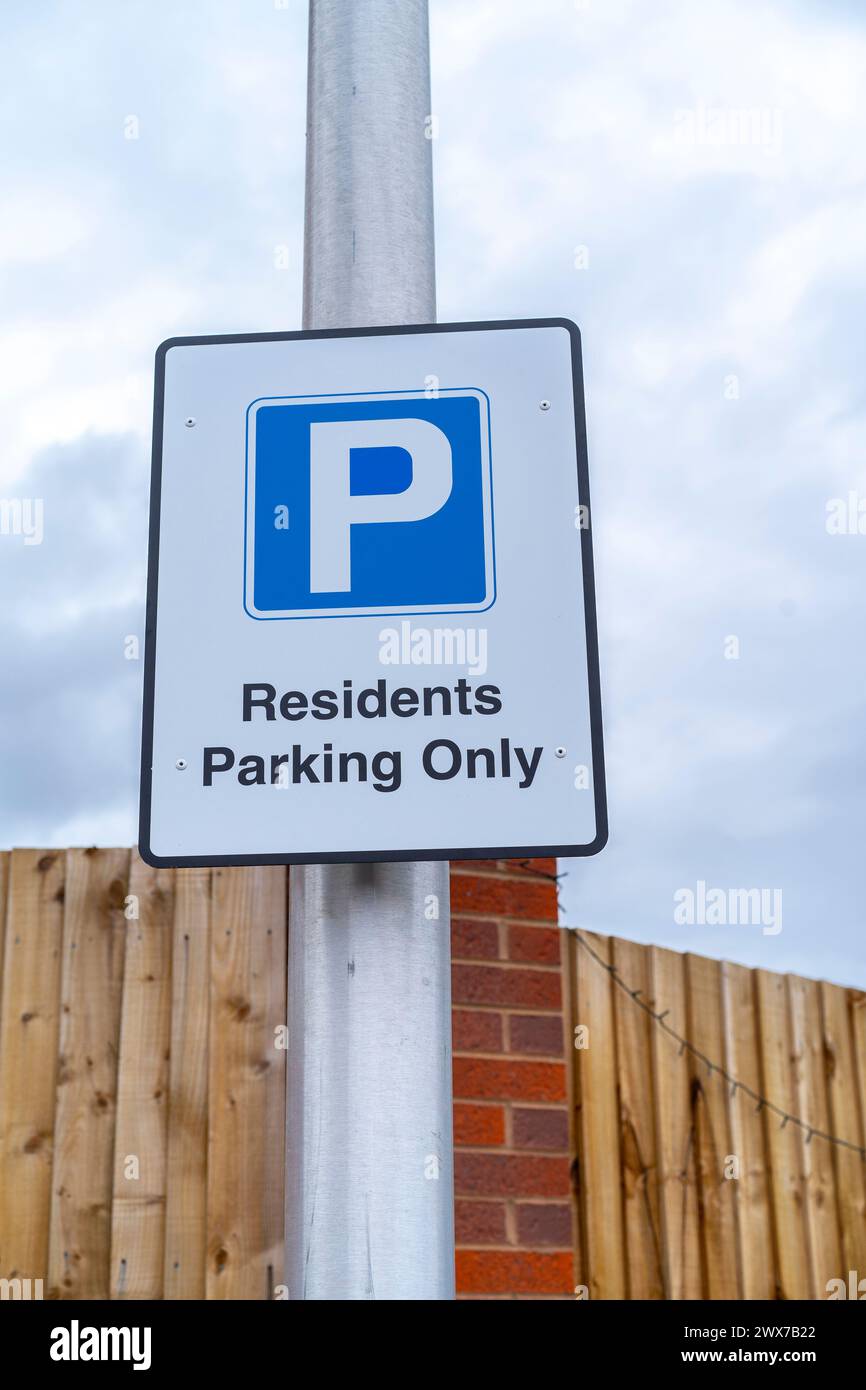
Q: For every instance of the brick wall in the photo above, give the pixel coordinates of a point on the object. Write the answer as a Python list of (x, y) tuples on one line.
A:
[(513, 1204)]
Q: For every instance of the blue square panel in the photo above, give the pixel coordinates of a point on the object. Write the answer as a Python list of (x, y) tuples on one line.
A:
[(361, 505)]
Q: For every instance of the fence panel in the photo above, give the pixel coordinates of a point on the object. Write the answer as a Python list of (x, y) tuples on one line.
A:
[(246, 1114), (752, 1190), (741, 1075), (186, 1159), (29, 1021), (713, 1143), (94, 933), (598, 1125), (675, 1130), (142, 1073), (138, 1214), (845, 1121), (637, 1125)]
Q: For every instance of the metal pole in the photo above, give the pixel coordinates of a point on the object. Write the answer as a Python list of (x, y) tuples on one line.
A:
[(369, 1193), (368, 236)]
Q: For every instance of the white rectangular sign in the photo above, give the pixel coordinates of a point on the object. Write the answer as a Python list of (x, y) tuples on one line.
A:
[(371, 617)]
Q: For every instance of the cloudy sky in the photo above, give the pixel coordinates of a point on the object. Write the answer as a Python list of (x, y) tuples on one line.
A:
[(688, 182)]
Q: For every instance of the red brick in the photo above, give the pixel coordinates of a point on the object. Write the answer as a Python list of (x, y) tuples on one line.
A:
[(474, 939), (476, 1030), (531, 866), (510, 1175), (540, 1129), (544, 1224), (539, 1035), (480, 1223), (535, 1175), (515, 987), (508, 896), (534, 867), (489, 1078), (477, 866), (518, 1271), (481, 1125), (537, 945)]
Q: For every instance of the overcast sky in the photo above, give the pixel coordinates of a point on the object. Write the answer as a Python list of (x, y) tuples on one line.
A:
[(686, 181)]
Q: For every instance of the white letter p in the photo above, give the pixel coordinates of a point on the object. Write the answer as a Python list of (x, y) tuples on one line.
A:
[(333, 509)]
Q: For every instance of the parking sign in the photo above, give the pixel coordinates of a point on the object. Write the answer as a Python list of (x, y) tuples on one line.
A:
[(371, 615), (382, 487)]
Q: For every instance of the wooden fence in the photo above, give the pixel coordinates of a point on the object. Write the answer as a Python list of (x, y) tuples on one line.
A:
[(142, 1098), (688, 1186), (141, 1084)]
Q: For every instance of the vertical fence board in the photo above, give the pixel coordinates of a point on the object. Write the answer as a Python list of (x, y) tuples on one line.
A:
[(186, 1204), (825, 1253), (637, 1127), (5, 859), (29, 1009), (138, 1211), (784, 1151), (857, 1006), (846, 1122), (246, 1112), (92, 972), (713, 1140), (569, 993), (675, 1139), (752, 1194), (599, 1174)]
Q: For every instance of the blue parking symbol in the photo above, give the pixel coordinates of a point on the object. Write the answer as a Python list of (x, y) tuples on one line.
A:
[(359, 505)]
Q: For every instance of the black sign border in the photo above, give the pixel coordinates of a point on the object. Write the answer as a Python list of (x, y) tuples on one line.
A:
[(373, 856)]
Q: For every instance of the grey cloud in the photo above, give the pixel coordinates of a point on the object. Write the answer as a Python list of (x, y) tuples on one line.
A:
[(708, 512)]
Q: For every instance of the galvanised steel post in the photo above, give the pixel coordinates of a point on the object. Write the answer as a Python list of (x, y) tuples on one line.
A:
[(369, 1205)]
